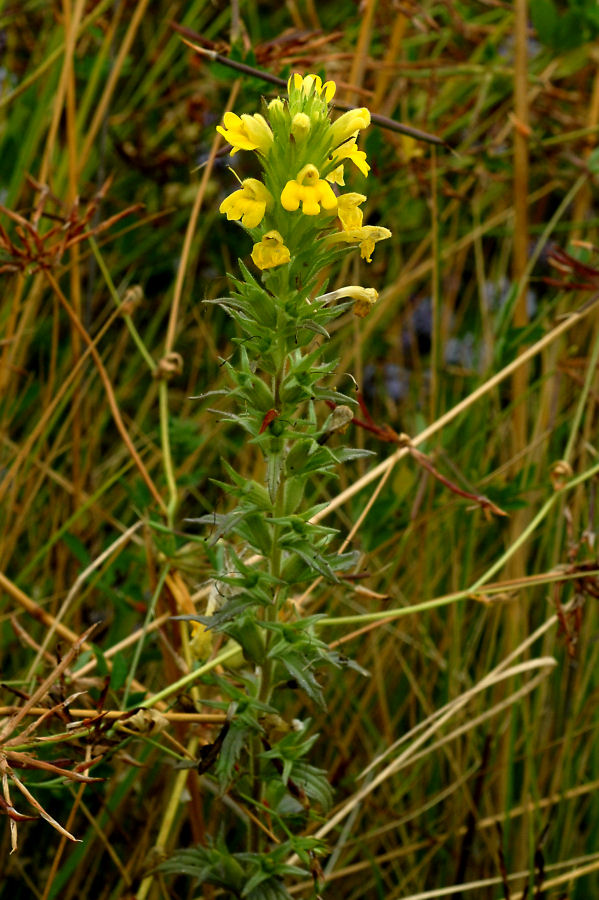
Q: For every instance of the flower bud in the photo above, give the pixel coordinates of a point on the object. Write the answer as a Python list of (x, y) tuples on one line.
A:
[(348, 124), (271, 251), (276, 106), (300, 126), (348, 210)]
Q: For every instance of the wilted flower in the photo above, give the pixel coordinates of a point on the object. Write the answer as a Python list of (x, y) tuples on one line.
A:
[(365, 298)]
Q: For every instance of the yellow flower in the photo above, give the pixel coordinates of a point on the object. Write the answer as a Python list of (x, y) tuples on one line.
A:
[(409, 148), (201, 641), (246, 133), (312, 82), (348, 210), (309, 189), (365, 298), (248, 204), (348, 125), (349, 150), (366, 237), (270, 251)]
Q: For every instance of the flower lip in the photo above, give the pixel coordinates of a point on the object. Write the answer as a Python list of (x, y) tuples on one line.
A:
[(349, 150), (249, 204), (309, 189)]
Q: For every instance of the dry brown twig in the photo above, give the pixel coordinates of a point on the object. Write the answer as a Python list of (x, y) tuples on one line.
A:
[(44, 250), (387, 434), (14, 753)]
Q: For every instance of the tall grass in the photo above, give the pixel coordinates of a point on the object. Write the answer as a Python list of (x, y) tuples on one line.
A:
[(466, 764)]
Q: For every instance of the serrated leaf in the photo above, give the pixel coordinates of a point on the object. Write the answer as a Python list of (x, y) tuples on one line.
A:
[(314, 326), (297, 668), (314, 783), (233, 744)]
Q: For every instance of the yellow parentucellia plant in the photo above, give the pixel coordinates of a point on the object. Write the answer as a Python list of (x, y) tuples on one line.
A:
[(299, 221)]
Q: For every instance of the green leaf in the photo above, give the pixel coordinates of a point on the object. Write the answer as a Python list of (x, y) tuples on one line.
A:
[(77, 548), (593, 161), (101, 660), (295, 664), (120, 669), (236, 739), (543, 14)]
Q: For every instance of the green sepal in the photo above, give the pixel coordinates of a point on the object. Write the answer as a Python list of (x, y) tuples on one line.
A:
[(254, 529), (246, 630), (294, 494)]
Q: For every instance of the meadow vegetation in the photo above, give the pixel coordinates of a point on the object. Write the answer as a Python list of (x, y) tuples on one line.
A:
[(461, 742)]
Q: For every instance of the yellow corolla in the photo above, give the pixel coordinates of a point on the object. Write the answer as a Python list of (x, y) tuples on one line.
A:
[(364, 298), (201, 641), (246, 132), (307, 83), (309, 189), (337, 176), (248, 204), (349, 150), (349, 124), (366, 237), (348, 210), (271, 251)]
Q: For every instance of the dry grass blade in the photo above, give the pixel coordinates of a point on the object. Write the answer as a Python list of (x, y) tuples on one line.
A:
[(43, 688)]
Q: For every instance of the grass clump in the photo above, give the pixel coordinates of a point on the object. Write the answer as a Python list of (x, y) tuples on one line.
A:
[(464, 765)]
